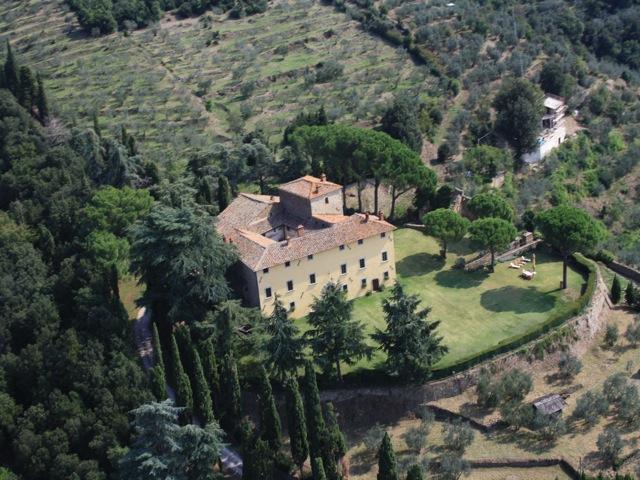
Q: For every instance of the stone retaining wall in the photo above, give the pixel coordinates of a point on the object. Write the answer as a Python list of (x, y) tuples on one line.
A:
[(625, 271)]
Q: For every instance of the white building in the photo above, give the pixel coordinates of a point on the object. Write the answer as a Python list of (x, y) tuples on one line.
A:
[(554, 131)]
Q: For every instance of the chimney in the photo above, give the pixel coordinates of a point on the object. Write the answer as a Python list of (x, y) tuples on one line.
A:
[(300, 230), (381, 215), (366, 217), (316, 188), (271, 197), (323, 177)]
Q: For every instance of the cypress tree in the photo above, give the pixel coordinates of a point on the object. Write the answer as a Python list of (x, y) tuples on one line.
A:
[(158, 374), (224, 192), (201, 395), (41, 101), (96, 124), (184, 394), (318, 469), (230, 385), (337, 438), (387, 468), (313, 411), (269, 418), (414, 473), (27, 89), (183, 338), (297, 424), (329, 456), (210, 368), (630, 294), (11, 75), (616, 290)]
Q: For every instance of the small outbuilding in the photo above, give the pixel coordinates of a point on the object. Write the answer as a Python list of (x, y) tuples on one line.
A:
[(552, 404)]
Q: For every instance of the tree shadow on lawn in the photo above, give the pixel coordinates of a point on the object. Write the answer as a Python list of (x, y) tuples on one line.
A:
[(458, 278), (517, 300), (419, 264)]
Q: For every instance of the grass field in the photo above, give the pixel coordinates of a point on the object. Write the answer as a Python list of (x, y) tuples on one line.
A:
[(185, 84), (477, 310)]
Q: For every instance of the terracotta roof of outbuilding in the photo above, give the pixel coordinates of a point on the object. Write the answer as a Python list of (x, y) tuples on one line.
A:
[(309, 187)]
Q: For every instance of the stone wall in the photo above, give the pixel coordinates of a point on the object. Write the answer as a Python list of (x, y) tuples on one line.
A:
[(625, 271)]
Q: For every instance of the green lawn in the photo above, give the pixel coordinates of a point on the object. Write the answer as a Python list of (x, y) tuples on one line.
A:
[(477, 310)]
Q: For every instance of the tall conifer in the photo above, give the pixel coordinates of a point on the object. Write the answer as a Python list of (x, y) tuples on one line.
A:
[(230, 385), (318, 469), (387, 467), (224, 192), (313, 410), (297, 424), (269, 418), (157, 372), (41, 101), (11, 74), (211, 373), (184, 394), (201, 396)]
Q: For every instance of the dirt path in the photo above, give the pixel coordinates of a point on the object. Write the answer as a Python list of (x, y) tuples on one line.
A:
[(230, 459)]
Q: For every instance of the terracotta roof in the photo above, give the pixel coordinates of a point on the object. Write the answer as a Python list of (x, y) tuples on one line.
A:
[(245, 209), (276, 253), (331, 218), (310, 187), (249, 217)]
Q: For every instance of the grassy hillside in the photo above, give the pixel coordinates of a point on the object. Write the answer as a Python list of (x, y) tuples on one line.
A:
[(184, 84)]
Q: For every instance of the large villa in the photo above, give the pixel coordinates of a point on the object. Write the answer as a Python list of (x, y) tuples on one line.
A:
[(293, 244)]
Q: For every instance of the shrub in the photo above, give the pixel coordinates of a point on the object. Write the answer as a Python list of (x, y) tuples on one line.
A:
[(458, 435), (549, 427), (590, 407), (614, 387), (633, 333), (487, 391), (611, 335), (569, 366), (373, 438), (610, 445)]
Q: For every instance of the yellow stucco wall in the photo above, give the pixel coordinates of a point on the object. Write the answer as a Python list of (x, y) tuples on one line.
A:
[(326, 266)]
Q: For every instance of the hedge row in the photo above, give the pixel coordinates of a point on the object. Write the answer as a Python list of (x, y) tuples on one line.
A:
[(566, 312)]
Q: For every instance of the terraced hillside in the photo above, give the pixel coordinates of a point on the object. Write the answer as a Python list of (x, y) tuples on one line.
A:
[(184, 84)]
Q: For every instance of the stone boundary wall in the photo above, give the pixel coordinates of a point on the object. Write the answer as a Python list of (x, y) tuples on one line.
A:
[(625, 271), (409, 397), (527, 463)]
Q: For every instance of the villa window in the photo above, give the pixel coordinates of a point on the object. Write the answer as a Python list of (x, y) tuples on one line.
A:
[(310, 257), (343, 269), (363, 283), (312, 279), (326, 199), (290, 285), (341, 247), (362, 263), (265, 270), (287, 264), (384, 256), (292, 306), (383, 234), (386, 275), (267, 292), (360, 241), (344, 287)]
